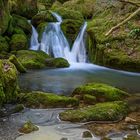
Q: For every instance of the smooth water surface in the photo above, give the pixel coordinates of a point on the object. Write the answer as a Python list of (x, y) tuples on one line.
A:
[(63, 81)]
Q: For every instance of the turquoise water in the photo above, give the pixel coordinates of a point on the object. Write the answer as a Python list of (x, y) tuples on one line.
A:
[(63, 81)]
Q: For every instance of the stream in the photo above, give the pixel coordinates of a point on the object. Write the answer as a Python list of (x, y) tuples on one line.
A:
[(65, 80)]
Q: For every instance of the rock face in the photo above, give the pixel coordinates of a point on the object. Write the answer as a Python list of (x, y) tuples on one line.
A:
[(109, 111), (121, 48), (8, 82)]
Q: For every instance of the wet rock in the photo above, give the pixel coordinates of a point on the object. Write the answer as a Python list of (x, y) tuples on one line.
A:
[(38, 99), (17, 63), (64, 139), (32, 59), (28, 127), (57, 63), (105, 138), (108, 111), (129, 120), (86, 134), (102, 92), (131, 137)]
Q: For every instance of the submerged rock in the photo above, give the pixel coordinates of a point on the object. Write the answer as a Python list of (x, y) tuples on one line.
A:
[(57, 63), (28, 127), (109, 111), (86, 134), (101, 92), (46, 100)]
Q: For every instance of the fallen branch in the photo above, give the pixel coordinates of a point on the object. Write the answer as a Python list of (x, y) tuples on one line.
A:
[(123, 22)]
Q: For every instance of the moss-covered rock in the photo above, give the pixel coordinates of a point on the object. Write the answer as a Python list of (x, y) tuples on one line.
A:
[(71, 28), (4, 47), (28, 127), (57, 63), (26, 8), (18, 42), (89, 99), (69, 14), (85, 7), (40, 29), (32, 59), (102, 92), (46, 100), (8, 82), (4, 16), (44, 16), (109, 111), (17, 63), (22, 22)]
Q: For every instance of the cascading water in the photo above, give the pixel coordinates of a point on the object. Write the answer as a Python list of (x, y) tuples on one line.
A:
[(34, 40), (54, 42)]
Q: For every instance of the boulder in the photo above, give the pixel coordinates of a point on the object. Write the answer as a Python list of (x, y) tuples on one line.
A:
[(28, 127), (38, 99), (108, 111), (18, 42), (25, 8), (57, 63), (32, 59), (4, 47), (17, 63), (4, 16), (101, 92), (44, 16), (8, 82)]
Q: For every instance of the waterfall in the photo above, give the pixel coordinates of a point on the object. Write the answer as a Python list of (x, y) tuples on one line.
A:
[(54, 42), (34, 44)]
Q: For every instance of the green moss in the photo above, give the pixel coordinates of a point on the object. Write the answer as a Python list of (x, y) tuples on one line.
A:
[(44, 16), (28, 127), (32, 59), (114, 50), (25, 8), (22, 22), (17, 63), (18, 108), (4, 16), (8, 82), (71, 28), (57, 63), (3, 45), (46, 100), (85, 7), (89, 99), (102, 92), (69, 14), (40, 28), (18, 42), (131, 137), (109, 111)]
